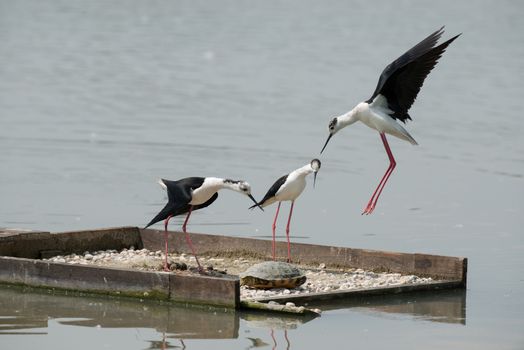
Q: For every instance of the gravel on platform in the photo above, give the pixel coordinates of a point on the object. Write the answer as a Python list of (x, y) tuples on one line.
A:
[(319, 279)]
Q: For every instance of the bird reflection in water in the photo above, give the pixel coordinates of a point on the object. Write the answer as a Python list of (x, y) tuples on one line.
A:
[(258, 343), (163, 344), (288, 343)]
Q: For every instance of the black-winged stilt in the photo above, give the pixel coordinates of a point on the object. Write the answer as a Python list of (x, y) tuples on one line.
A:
[(396, 91), (288, 188), (190, 194)]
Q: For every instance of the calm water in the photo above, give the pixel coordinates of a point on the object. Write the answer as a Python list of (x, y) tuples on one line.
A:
[(99, 99)]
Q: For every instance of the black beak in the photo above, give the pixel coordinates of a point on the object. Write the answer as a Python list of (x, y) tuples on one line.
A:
[(254, 200), (329, 137), (314, 178)]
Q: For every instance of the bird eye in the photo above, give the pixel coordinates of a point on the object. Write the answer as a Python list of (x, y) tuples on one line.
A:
[(332, 123)]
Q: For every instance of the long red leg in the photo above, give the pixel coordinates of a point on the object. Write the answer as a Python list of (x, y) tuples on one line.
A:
[(380, 185), (287, 340), (274, 228), (166, 221), (374, 198), (392, 163), (382, 188), (287, 232), (188, 239)]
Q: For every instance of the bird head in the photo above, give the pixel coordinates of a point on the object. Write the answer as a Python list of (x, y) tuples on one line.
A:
[(242, 187), (315, 165), (333, 127)]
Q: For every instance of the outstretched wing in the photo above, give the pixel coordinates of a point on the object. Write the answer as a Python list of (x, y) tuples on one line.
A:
[(401, 80)]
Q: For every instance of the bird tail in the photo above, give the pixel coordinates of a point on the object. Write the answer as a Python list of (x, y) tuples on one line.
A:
[(162, 183), (400, 132), (162, 215), (255, 205)]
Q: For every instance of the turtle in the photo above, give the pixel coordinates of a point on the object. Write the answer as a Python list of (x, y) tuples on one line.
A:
[(272, 274)]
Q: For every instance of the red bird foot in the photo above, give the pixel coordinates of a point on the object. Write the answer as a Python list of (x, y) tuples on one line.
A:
[(369, 209)]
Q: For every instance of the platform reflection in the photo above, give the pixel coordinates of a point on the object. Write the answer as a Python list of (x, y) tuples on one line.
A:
[(448, 306), (30, 311)]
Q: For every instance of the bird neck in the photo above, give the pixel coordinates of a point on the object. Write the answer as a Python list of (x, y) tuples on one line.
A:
[(348, 118), (215, 183), (303, 171)]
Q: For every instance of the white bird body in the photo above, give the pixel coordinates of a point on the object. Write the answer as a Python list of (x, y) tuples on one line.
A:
[(376, 116), (293, 186)]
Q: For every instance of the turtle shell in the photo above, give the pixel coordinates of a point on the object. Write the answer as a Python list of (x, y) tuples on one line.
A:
[(272, 274)]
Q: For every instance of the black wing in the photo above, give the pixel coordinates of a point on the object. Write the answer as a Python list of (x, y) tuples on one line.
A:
[(400, 82), (179, 196), (170, 209), (180, 191), (272, 190)]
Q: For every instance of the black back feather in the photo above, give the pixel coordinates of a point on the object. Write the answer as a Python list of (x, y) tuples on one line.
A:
[(272, 190)]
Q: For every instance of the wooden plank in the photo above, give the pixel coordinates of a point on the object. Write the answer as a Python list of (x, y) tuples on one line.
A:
[(84, 278), (207, 290), (223, 291), (22, 243), (447, 268), (35, 245), (434, 266)]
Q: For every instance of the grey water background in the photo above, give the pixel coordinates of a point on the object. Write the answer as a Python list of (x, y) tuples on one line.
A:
[(99, 99)]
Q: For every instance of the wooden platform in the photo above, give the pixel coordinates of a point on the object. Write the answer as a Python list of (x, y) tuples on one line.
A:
[(21, 253)]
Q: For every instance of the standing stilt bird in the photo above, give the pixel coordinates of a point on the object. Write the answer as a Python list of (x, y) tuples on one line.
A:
[(396, 91), (288, 188), (190, 194)]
